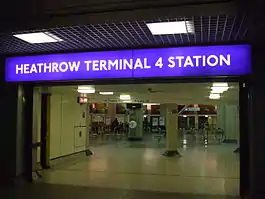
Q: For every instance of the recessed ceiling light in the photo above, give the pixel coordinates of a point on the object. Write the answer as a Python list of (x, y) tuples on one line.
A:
[(221, 84), (106, 93), (127, 101), (219, 89), (125, 97), (214, 96), (86, 89), (38, 37), (174, 27)]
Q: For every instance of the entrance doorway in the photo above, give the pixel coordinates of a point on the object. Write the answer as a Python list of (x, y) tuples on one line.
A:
[(207, 128), (157, 116)]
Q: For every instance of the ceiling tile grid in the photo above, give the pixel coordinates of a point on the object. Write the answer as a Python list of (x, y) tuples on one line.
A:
[(133, 34)]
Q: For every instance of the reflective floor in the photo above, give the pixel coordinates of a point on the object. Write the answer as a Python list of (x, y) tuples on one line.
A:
[(53, 191), (140, 166)]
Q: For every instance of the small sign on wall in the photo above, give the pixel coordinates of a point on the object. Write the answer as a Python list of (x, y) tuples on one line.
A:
[(108, 121)]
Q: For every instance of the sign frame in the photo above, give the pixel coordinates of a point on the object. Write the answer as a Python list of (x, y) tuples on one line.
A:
[(143, 64)]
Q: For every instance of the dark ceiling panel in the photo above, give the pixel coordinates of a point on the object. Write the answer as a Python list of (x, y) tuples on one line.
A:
[(133, 34), (43, 18)]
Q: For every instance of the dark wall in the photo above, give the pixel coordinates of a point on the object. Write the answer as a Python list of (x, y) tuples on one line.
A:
[(257, 127), (16, 131), (257, 98), (8, 125)]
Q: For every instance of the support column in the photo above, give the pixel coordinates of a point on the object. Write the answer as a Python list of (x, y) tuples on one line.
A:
[(163, 111), (237, 150), (135, 125), (188, 122), (228, 120), (196, 121), (88, 129), (220, 119), (172, 138), (112, 111)]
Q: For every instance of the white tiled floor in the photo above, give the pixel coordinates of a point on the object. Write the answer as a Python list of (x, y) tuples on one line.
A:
[(214, 170)]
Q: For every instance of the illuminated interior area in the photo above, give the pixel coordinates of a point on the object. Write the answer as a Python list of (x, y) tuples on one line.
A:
[(129, 129)]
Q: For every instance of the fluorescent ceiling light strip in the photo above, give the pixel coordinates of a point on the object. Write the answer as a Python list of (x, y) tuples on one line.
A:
[(221, 84), (85, 91), (214, 96), (86, 87), (125, 97), (127, 101), (219, 89), (106, 93), (174, 27), (38, 37), (149, 104)]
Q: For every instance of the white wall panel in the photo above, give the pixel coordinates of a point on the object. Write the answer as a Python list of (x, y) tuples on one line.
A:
[(67, 131), (56, 129), (68, 119)]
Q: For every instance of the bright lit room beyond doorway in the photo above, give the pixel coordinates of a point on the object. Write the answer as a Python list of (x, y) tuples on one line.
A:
[(131, 130)]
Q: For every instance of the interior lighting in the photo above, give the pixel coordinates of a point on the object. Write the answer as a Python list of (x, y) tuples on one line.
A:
[(86, 89), (125, 97), (184, 141), (106, 93), (149, 107), (214, 96), (174, 27), (205, 141), (38, 37), (220, 84), (127, 101), (219, 87)]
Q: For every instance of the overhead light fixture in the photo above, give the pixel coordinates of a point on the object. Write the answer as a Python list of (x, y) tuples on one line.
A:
[(174, 27), (214, 96), (106, 93), (38, 37), (219, 89), (125, 97), (127, 101), (220, 84), (86, 89)]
